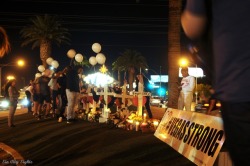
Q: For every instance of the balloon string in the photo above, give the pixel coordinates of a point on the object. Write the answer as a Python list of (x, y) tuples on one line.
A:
[(71, 61)]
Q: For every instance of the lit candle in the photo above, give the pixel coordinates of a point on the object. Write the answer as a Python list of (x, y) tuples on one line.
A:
[(156, 123), (137, 126), (89, 116), (144, 117)]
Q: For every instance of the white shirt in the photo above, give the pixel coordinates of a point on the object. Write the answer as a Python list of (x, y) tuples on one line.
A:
[(188, 84), (30, 89)]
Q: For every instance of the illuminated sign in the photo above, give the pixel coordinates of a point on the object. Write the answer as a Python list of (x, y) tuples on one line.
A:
[(158, 78), (193, 71)]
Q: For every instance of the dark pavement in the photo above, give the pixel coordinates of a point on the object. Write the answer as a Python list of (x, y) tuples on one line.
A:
[(47, 142)]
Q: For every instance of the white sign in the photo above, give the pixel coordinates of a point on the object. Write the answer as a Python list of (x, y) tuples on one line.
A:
[(193, 71), (198, 137)]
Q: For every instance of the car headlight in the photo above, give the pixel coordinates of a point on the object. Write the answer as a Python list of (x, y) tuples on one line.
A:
[(24, 102), (4, 104)]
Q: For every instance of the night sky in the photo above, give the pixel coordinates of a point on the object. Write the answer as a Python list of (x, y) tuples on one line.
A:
[(117, 25)]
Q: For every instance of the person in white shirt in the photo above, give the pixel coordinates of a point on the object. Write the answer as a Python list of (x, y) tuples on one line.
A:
[(187, 87)]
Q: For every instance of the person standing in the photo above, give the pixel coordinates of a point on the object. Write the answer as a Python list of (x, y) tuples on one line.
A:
[(212, 101), (44, 92), (142, 86), (53, 84), (29, 94), (62, 84), (72, 91), (13, 98), (36, 97), (230, 38), (147, 104), (186, 90)]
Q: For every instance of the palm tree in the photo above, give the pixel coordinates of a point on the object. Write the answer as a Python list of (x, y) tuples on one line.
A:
[(43, 32), (4, 42), (117, 66), (174, 51), (130, 61)]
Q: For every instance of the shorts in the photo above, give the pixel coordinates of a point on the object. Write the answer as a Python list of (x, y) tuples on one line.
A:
[(36, 97), (45, 98)]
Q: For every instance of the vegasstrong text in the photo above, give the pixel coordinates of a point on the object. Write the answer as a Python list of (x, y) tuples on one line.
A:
[(203, 138)]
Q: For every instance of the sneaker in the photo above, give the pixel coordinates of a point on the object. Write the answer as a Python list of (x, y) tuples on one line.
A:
[(60, 119), (38, 117), (69, 121)]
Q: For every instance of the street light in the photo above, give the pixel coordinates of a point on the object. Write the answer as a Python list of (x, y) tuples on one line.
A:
[(18, 63), (10, 77)]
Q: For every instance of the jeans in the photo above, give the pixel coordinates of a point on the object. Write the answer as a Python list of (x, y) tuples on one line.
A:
[(72, 98), (185, 100)]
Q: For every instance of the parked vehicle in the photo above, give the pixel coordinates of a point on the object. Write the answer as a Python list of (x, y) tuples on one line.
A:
[(155, 100)]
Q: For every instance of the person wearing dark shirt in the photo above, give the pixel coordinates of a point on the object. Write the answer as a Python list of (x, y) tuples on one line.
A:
[(45, 96), (229, 20), (72, 91), (62, 84)]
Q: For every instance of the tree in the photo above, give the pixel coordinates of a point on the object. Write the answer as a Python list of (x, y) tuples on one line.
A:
[(174, 51), (117, 66), (130, 61), (4, 42), (43, 32)]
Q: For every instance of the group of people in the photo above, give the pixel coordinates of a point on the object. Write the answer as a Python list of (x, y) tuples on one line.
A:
[(44, 91)]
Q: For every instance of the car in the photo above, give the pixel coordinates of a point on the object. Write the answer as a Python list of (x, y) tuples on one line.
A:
[(155, 101), (22, 101), (4, 103)]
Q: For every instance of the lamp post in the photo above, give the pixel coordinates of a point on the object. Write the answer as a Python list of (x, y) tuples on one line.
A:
[(18, 63)]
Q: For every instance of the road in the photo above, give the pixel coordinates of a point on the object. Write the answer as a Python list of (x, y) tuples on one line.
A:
[(83, 143)]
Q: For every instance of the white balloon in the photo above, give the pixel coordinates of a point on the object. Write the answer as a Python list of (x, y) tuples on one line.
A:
[(38, 75), (79, 57), (92, 60), (71, 53), (41, 68), (49, 60), (100, 58), (96, 47), (55, 64)]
